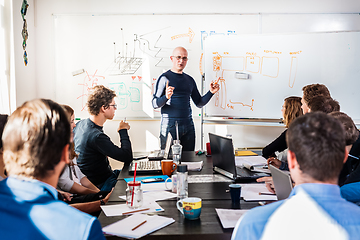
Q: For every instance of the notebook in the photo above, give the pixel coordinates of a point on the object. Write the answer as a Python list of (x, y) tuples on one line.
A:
[(282, 182), (162, 154), (222, 152)]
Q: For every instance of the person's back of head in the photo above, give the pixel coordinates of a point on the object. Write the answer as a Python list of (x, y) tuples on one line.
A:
[(318, 142), (313, 90), (323, 104), (34, 138), (351, 132), (292, 109), (100, 96)]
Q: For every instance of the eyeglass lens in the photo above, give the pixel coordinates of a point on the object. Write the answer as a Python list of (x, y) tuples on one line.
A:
[(183, 58)]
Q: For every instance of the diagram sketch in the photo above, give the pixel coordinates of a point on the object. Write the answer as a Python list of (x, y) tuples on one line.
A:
[(221, 64), (249, 69), (125, 65), (89, 81)]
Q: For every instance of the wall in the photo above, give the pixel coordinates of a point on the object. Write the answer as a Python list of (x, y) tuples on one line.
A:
[(38, 78)]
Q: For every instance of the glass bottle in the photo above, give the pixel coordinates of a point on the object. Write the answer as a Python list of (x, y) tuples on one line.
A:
[(134, 194), (182, 181), (176, 151)]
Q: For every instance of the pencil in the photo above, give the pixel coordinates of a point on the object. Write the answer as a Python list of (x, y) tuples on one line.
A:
[(140, 210), (138, 225), (264, 193)]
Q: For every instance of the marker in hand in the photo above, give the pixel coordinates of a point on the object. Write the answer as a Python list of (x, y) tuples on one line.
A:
[(214, 86)]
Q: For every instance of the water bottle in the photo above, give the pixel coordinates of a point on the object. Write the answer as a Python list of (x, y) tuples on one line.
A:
[(176, 151), (182, 181)]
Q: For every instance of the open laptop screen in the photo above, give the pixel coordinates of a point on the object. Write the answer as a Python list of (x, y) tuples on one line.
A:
[(222, 153), (282, 182)]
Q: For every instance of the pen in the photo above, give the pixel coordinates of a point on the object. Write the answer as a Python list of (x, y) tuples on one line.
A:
[(138, 225), (264, 193), (353, 156), (140, 210)]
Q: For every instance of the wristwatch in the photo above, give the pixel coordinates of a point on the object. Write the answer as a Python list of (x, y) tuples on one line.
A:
[(102, 202)]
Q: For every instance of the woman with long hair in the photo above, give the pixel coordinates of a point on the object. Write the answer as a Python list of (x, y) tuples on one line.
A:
[(291, 109), (86, 196)]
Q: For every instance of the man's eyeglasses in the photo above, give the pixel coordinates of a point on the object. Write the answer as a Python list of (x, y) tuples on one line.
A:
[(179, 57), (113, 105)]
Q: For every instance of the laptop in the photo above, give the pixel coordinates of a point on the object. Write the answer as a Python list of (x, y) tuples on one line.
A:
[(152, 165), (282, 182), (222, 153), (162, 154)]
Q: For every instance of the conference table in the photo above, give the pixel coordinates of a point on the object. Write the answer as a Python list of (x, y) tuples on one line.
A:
[(213, 195)]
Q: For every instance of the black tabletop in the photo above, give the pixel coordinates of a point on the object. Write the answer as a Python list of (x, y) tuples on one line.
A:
[(213, 195)]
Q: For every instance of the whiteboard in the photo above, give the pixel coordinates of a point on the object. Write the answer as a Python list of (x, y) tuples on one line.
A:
[(279, 65), (127, 53)]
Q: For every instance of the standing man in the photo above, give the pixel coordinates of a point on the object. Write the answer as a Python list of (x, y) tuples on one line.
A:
[(315, 208), (172, 94), (36, 150), (93, 146)]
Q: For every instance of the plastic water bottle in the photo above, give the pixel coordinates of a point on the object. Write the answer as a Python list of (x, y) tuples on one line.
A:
[(182, 181), (176, 151)]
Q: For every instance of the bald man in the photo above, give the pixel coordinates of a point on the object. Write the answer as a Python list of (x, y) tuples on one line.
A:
[(172, 94)]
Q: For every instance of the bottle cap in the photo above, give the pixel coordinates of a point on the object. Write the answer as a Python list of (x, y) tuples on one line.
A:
[(134, 184), (181, 168), (177, 142)]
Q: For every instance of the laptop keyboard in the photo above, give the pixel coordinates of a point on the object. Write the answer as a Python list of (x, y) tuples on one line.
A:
[(146, 165)]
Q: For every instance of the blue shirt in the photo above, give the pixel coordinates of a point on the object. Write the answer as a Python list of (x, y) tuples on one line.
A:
[(178, 106), (351, 192), (324, 198), (30, 209)]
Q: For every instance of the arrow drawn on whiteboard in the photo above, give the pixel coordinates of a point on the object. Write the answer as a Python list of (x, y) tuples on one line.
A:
[(190, 34)]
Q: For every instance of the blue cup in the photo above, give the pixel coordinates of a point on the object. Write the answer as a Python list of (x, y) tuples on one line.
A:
[(235, 193)]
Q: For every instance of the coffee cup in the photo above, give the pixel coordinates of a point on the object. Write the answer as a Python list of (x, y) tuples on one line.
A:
[(235, 193), (173, 182), (190, 207), (208, 149), (168, 167)]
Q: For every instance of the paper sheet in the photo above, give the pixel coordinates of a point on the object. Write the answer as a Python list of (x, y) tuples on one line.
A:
[(158, 186), (208, 178), (251, 160), (261, 168), (194, 166), (153, 196), (250, 192), (119, 209), (229, 217), (123, 228)]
